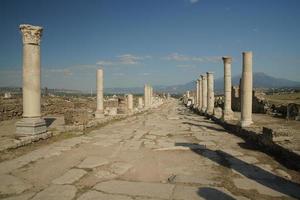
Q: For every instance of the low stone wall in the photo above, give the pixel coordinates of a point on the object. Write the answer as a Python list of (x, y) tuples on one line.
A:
[(267, 140)]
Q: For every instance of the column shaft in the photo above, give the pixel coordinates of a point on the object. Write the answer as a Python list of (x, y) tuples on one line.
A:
[(100, 108), (31, 81), (204, 93), (200, 94), (130, 103), (210, 93), (246, 90), (227, 112)]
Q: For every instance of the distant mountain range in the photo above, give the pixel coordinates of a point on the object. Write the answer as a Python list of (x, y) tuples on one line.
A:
[(260, 80)]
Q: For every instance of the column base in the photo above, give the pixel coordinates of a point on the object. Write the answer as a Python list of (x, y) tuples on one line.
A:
[(203, 110), (209, 112), (30, 126), (227, 115), (99, 114), (246, 123)]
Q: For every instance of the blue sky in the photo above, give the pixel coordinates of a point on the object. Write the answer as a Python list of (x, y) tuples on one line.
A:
[(161, 42)]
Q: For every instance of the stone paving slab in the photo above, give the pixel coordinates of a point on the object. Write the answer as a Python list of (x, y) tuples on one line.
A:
[(92, 162), (21, 197), (156, 190), (12, 185), (70, 176), (95, 195), (57, 192)]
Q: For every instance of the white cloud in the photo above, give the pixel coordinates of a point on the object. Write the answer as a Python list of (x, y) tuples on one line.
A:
[(194, 1), (125, 59), (184, 58)]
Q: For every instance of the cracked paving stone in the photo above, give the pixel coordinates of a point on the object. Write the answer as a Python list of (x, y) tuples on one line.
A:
[(92, 162), (57, 192), (70, 176), (156, 190), (12, 185), (94, 195)]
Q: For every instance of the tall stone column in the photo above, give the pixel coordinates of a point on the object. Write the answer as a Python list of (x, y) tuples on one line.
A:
[(200, 94), (146, 96), (140, 103), (100, 108), (246, 90), (151, 95), (32, 123), (204, 93), (130, 103), (227, 112), (197, 94), (210, 93)]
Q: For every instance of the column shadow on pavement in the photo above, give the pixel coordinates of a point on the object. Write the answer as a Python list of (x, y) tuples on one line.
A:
[(212, 193), (250, 171)]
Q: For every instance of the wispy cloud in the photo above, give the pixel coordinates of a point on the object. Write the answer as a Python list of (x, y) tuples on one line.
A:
[(194, 1), (184, 58), (65, 72), (186, 66), (125, 59)]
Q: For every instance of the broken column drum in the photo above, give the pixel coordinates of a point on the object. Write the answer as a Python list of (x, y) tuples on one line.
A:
[(140, 103), (32, 123)]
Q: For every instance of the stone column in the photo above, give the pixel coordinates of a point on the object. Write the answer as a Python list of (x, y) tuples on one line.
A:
[(188, 94), (210, 94), (130, 103), (146, 98), (246, 90), (32, 123), (151, 95), (204, 93), (200, 94), (100, 109), (197, 94), (140, 103), (227, 112)]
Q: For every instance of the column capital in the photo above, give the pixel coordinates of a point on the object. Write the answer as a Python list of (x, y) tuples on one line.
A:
[(227, 59), (203, 76), (209, 73), (31, 34)]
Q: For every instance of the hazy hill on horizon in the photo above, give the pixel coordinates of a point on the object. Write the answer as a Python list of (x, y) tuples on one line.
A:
[(260, 80)]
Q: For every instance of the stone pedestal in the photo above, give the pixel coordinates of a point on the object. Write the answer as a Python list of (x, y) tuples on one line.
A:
[(210, 94), (246, 90), (204, 93), (32, 123), (227, 112), (100, 109)]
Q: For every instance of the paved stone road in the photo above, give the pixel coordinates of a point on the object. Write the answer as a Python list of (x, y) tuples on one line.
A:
[(168, 154)]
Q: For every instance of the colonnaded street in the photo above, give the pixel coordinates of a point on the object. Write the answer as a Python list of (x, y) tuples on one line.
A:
[(167, 153)]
